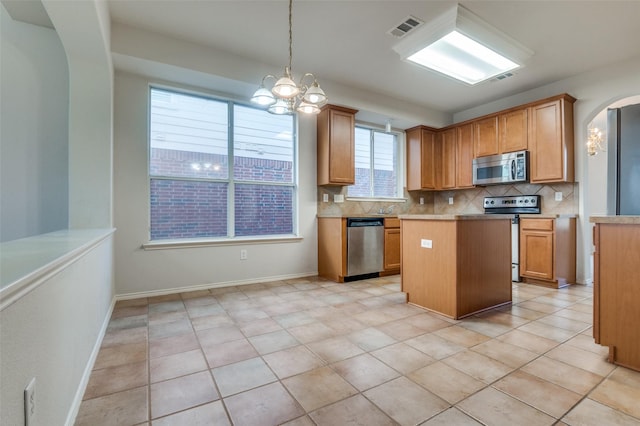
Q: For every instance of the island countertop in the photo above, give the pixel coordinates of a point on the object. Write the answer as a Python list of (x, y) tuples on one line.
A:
[(617, 220), (476, 216)]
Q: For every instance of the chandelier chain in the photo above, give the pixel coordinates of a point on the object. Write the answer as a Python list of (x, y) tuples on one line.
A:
[(290, 33)]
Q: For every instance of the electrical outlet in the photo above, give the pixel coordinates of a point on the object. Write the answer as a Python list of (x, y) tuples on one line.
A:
[(426, 243), (243, 254), (450, 200), (338, 198), (558, 196), (30, 403), (325, 198), (421, 200)]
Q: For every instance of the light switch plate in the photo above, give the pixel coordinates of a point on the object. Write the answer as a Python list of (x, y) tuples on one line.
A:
[(426, 243), (421, 200), (325, 198), (450, 200), (558, 196), (338, 198)]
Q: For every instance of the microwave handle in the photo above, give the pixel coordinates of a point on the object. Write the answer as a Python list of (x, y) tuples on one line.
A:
[(513, 170)]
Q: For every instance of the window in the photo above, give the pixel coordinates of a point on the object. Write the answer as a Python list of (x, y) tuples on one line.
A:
[(376, 158), (218, 169)]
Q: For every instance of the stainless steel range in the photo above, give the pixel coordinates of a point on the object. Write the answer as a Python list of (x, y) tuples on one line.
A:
[(515, 205)]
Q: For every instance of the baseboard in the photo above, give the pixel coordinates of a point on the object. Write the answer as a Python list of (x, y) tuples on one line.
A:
[(84, 381), (163, 292)]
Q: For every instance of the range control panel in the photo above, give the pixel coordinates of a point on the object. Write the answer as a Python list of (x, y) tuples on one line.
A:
[(513, 204)]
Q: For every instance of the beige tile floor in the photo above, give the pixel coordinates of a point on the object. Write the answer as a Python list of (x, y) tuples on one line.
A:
[(309, 351)]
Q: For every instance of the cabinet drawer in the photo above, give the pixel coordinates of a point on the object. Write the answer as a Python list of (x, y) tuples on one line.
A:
[(537, 224), (391, 222)]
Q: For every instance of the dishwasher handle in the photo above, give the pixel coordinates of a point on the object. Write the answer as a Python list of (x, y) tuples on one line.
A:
[(364, 221)]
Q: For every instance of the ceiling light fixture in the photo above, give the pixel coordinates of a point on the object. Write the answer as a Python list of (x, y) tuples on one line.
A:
[(594, 141), (286, 96), (460, 45)]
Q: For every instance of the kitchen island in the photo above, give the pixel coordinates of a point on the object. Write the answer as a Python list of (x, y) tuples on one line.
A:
[(456, 265), (616, 287)]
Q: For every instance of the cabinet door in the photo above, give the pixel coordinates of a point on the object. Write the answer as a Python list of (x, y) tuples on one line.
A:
[(427, 160), (341, 147), (448, 159), (513, 131), (548, 154), (391, 249), (485, 134), (464, 156), (536, 254), (335, 145), (420, 159)]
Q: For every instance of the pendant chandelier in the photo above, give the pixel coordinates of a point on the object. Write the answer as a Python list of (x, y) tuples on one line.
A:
[(286, 96)]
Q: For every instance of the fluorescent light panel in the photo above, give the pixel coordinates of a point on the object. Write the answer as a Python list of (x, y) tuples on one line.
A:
[(462, 58), (460, 45)]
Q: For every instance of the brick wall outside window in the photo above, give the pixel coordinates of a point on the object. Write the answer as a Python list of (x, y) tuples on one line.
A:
[(198, 209)]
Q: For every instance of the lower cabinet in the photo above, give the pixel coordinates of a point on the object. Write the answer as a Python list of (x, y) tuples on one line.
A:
[(332, 248), (391, 246), (616, 293), (548, 251)]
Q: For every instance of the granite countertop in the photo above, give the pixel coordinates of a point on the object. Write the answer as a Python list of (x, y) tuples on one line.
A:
[(455, 216), (620, 220)]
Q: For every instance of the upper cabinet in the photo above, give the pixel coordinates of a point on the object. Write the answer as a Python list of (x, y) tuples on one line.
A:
[(464, 156), (513, 127), (336, 145), (551, 140), (421, 158), (447, 159), (485, 135)]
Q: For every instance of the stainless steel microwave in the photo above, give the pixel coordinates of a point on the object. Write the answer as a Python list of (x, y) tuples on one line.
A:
[(503, 168)]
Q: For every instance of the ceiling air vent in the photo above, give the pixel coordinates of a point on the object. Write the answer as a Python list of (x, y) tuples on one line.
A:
[(407, 25), (503, 76)]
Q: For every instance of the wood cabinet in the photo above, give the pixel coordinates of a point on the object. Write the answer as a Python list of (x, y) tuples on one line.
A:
[(465, 267), (332, 248), (336, 145), (420, 158), (616, 290), (548, 251), (485, 135), (391, 246), (514, 130), (464, 156), (551, 140), (446, 157)]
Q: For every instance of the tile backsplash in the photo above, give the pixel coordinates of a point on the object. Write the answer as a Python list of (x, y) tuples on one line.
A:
[(465, 201)]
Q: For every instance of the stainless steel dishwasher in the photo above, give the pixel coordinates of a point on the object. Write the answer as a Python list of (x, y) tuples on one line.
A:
[(365, 247)]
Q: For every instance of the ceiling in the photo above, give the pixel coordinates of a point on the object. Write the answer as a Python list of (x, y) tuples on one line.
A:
[(347, 42)]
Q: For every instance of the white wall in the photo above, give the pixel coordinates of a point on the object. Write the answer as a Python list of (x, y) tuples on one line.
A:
[(83, 28), (33, 130), (51, 333), (138, 270), (594, 90)]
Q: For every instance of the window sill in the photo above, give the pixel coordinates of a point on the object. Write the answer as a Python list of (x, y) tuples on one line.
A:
[(211, 242)]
